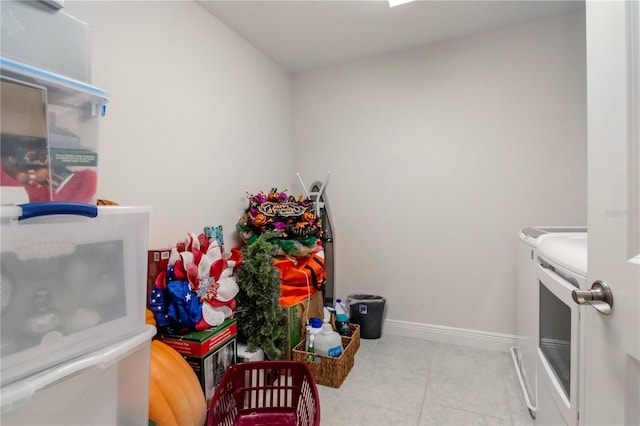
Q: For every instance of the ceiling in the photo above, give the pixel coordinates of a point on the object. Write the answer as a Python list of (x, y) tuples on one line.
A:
[(301, 35)]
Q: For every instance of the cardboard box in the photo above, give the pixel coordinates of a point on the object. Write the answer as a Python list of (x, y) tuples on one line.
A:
[(23, 110), (157, 261), (296, 315), (209, 352)]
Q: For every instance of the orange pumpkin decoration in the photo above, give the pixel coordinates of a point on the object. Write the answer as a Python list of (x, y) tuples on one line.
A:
[(260, 220), (150, 318), (175, 395), (104, 202)]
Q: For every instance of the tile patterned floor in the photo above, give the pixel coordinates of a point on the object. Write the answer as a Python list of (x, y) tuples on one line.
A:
[(400, 381)]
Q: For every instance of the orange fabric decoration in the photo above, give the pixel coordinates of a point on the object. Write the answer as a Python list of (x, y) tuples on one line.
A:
[(300, 277)]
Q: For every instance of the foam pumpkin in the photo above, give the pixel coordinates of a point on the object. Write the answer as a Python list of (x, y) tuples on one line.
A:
[(175, 395), (150, 318)]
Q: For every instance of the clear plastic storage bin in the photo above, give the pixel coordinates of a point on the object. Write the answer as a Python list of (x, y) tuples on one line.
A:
[(109, 386), (49, 134), (72, 278), (39, 35)]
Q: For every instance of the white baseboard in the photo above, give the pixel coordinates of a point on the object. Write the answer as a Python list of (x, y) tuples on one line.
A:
[(456, 336)]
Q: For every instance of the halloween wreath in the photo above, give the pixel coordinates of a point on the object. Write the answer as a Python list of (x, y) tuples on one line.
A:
[(291, 221)]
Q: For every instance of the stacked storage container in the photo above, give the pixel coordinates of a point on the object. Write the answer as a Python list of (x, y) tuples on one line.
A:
[(50, 112), (74, 346), (49, 134)]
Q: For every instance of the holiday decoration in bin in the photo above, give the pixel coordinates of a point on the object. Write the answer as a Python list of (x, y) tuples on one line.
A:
[(49, 134), (70, 282), (330, 371), (197, 290)]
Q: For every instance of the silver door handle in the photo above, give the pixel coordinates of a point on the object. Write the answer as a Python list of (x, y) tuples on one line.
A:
[(600, 297)]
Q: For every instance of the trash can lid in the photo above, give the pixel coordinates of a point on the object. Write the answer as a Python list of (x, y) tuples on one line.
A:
[(365, 298)]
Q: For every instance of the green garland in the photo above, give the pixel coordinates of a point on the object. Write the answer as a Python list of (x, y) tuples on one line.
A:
[(260, 318)]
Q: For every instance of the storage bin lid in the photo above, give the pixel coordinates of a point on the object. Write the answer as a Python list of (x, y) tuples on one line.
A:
[(72, 92)]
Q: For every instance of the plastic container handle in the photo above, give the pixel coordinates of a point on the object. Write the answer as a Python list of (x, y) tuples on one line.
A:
[(51, 208)]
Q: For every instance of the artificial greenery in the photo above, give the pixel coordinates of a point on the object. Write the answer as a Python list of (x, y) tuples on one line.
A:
[(260, 317)]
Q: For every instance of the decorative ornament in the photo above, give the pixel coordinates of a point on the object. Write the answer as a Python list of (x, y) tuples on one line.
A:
[(44, 318), (81, 319), (290, 222), (104, 291), (260, 220), (212, 290)]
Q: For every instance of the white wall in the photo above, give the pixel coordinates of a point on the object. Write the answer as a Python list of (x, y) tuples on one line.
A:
[(196, 116), (439, 155)]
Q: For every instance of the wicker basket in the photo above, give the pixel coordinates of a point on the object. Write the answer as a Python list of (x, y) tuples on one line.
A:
[(330, 371)]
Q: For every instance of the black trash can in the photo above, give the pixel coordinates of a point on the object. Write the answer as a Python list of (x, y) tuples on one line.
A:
[(367, 311)]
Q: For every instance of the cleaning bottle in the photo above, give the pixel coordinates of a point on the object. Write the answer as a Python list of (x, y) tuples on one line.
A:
[(314, 328), (311, 349), (330, 315), (328, 343), (342, 325), (342, 308), (327, 313)]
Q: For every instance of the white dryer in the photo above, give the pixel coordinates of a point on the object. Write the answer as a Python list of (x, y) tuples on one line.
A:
[(561, 264), (524, 354)]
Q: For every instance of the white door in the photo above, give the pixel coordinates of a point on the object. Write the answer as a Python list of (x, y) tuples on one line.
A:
[(611, 369)]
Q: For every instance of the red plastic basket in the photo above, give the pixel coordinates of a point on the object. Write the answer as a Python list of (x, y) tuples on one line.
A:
[(266, 393)]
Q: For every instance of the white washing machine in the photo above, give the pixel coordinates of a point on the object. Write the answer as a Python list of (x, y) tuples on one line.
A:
[(524, 354), (561, 264)]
